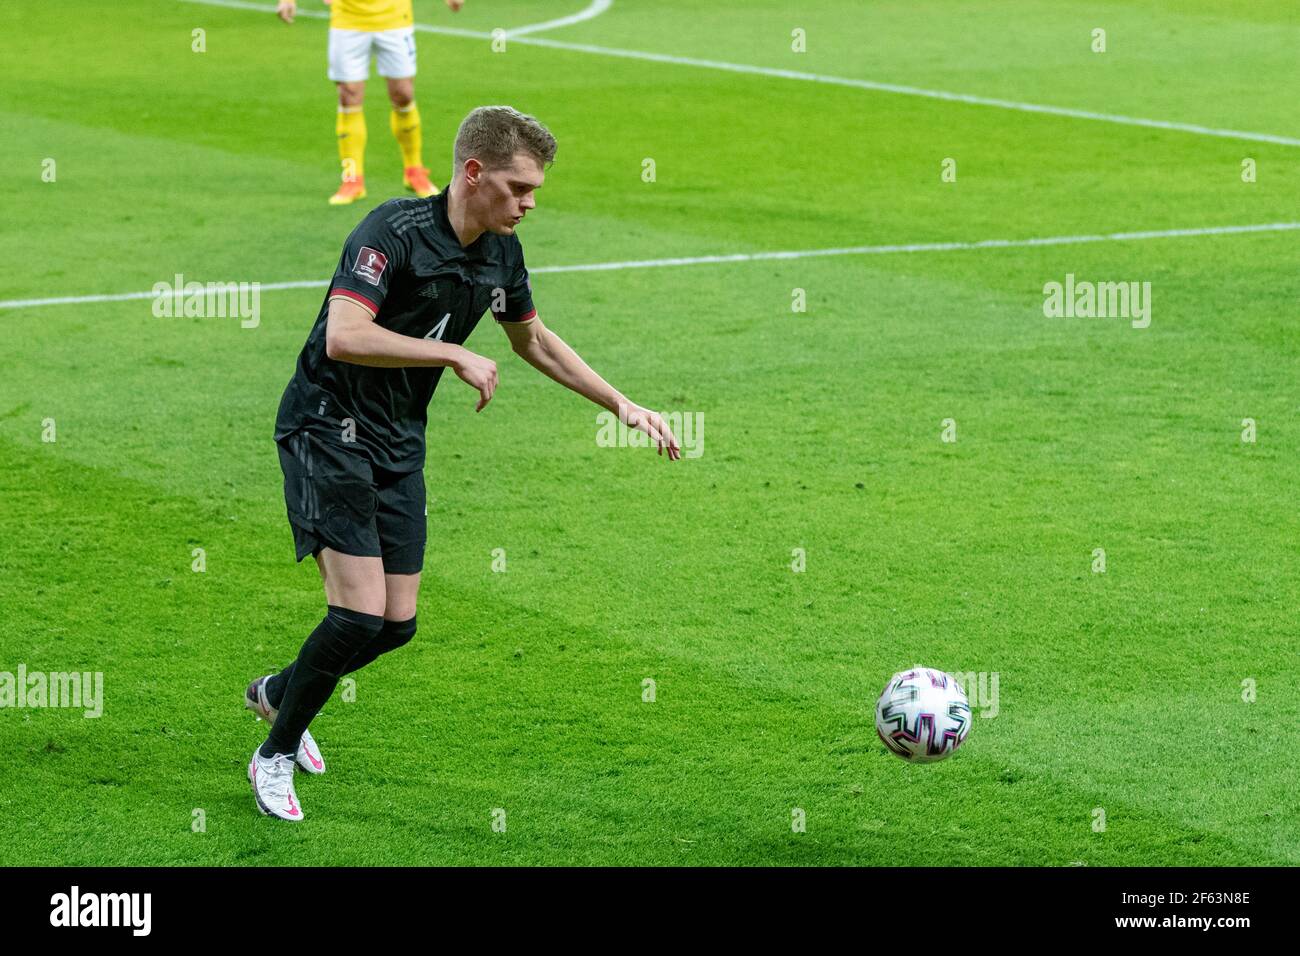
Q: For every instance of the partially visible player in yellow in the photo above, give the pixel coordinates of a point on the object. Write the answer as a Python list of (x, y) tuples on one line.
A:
[(385, 28)]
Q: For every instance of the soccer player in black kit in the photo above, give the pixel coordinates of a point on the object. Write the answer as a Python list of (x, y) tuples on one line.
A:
[(414, 279)]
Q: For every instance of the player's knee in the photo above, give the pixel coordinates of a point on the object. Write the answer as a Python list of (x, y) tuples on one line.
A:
[(351, 94), (355, 622), (371, 606), (347, 631), (399, 608), (402, 93), (397, 633)]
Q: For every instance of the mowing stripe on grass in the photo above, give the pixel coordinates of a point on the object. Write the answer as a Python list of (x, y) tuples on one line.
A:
[(753, 257), (873, 85)]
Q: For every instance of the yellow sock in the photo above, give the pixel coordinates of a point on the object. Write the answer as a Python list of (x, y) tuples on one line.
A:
[(351, 129), (405, 125)]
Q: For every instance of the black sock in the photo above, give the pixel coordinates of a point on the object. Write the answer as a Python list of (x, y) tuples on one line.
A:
[(323, 659), (393, 635), (276, 683)]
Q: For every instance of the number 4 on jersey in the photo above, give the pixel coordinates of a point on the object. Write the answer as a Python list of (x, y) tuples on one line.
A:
[(435, 333)]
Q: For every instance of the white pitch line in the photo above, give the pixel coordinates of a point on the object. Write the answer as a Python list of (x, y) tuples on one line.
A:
[(592, 10), (845, 81), (757, 257), (899, 89)]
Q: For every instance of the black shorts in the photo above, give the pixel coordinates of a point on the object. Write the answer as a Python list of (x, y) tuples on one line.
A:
[(337, 499)]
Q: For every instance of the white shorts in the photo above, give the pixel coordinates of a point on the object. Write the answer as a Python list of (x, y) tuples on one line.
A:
[(350, 51)]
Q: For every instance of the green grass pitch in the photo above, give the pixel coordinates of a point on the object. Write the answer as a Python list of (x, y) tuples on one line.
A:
[(1122, 695)]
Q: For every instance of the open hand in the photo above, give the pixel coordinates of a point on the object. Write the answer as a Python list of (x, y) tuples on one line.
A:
[(652, 423)]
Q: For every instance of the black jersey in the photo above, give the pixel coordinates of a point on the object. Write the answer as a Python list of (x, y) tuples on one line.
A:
[(404, 264)]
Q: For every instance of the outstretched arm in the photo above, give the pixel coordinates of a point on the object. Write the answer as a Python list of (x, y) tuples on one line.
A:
[(549, 354)]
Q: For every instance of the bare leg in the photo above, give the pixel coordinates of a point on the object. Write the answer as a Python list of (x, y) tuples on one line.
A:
[(401, 91), (352, 94), (353, 582)]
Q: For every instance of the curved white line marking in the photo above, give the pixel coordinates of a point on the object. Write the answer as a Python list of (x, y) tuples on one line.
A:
[(594, 9), (757, 257), (822, 78)]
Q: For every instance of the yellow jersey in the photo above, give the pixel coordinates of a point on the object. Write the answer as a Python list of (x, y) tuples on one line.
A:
[(370, 15)]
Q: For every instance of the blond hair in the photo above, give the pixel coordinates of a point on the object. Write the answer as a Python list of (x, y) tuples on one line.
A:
[(494, 134)]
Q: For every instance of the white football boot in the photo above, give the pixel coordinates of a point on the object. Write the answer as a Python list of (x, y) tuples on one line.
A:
[(272, 780), (308, 756)]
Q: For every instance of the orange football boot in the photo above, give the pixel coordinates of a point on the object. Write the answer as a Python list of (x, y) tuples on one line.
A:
[(349, 192)]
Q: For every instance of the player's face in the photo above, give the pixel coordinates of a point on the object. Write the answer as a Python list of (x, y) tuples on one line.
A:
[(507, 194)]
